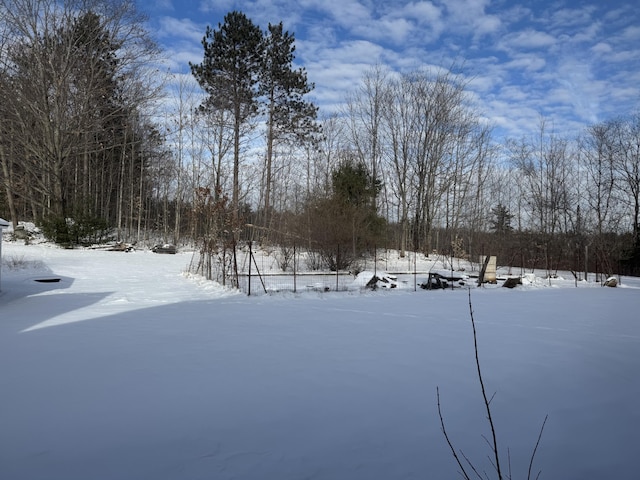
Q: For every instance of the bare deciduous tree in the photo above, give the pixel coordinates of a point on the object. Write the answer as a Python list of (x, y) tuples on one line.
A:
[(74, 72), (364, 108)]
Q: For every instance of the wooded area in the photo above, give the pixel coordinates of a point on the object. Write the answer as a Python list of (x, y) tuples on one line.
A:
[(94, 145)]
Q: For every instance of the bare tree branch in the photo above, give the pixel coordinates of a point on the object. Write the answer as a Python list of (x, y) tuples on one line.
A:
[(535, 449), (446, 436), (494, 459), (484, 394)]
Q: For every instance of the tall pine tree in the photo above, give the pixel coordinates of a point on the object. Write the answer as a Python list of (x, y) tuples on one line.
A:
[(288, 114), (229, 75)]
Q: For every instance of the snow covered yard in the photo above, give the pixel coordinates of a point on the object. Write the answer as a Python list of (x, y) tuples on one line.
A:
[(128, 369)]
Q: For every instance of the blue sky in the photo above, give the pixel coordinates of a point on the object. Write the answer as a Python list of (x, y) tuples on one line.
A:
[(573, 63)]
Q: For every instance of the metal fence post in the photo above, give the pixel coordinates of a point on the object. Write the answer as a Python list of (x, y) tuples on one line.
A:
[(294, 268), (224, 264), (249, 277), (338, 268), (415, 271), (375, 260)]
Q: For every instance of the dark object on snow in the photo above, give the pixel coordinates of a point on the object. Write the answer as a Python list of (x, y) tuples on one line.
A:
[(512, 282), (443, 279), (382, 281), (318, 287), (373, 281), (435, 282), (611, 282), (121, 247), (47, 280), (166, 248)]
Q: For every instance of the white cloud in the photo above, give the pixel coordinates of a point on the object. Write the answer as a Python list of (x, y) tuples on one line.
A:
[(516, 13), (578, 88), (180, 28), (527, 63), (620, 14), (152, 8), (177, 59), (164, 5), (514, 93), (471, 13), (566, 18), (422, 12), (527, 39), (523, 61), (402, 25), (345, 13), (630, 34), (589, 34), (627, 94), (215, 5), (337, 70), (393, 30), (601, 48), (626, 57)]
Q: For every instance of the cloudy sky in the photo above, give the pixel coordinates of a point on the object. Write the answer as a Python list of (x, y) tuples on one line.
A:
[(573, 63)]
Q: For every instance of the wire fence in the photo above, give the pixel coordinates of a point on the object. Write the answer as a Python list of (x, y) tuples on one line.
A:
[(273, 269), (265, 270), (257, 283)]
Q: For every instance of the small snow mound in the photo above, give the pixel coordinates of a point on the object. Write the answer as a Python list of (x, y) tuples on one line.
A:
[(210, 286)]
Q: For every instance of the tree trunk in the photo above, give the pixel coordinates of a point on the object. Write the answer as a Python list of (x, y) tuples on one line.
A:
[(235, 198), (7, 171), (267, 186)]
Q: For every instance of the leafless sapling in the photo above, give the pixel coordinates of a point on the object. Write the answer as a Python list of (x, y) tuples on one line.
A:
[(467, 468)]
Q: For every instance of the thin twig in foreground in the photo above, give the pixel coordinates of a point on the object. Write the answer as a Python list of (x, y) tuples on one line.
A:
[(446, 436), (487, 402), (535, 449)]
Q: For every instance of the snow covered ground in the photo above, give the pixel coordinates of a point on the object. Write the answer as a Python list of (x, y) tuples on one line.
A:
[(126, 368)]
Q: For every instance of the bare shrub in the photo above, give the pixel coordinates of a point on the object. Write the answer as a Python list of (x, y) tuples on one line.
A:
[(20, 263), (285, 257), (314, 261)]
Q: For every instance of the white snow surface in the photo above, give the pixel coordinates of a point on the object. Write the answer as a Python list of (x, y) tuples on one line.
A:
[(126, 368)]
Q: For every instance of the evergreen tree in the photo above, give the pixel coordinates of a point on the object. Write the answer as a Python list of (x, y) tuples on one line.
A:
[(501, 221), (353, 186), (353, 192), (283, 88), (229, 75)]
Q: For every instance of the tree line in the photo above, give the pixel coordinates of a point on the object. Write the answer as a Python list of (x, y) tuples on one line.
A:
[(93, 144), (75, 82)]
